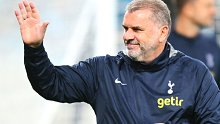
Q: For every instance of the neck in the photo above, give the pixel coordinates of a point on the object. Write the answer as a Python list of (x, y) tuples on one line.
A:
[(186, 27)]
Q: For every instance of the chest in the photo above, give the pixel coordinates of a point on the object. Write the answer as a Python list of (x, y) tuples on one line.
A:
[(148, 95)]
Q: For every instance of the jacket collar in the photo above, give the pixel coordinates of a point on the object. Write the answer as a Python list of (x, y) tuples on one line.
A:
[(168, 56)]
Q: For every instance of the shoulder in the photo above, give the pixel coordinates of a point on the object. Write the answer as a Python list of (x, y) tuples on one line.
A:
[(210, 42), (103, 60), (193, 70), (191, 65), (191, 62), (117, 59)]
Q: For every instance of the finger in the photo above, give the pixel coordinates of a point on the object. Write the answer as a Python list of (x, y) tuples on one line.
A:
[(23, 12), (18, 16), (28, 8), (34, 10)]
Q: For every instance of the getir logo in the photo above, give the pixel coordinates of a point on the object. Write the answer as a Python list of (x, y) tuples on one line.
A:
[(169, 101)]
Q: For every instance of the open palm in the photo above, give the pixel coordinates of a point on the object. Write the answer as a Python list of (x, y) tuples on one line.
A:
[(32, 31)]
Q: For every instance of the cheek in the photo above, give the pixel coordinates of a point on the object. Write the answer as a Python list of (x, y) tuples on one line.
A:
[(202, 15), (142, 37), (204, 19), (148, 37)]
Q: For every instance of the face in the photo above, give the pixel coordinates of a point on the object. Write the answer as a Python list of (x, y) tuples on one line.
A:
[(202, 12), (141, 36)]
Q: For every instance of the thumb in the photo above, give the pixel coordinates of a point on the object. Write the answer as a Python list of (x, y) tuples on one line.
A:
[(45, 24)]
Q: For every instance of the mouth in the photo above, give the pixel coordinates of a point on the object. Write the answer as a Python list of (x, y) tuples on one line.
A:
[(131, 43), (132, 47)]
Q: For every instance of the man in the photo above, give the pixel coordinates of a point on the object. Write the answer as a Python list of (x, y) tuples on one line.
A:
[(152, 83), (186, 35)]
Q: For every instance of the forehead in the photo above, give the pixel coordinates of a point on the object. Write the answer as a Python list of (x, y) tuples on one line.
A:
[(138, 17)]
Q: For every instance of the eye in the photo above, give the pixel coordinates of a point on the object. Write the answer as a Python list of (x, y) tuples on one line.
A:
[(137, 29), (125, 28)]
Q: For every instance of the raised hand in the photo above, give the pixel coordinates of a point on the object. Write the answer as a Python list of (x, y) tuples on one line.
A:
[(32, 31)]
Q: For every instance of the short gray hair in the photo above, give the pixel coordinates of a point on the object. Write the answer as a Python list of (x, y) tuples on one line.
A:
[(160, 11)]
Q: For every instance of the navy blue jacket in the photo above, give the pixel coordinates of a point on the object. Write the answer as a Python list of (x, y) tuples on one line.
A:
[(202, 47), (173, 88)]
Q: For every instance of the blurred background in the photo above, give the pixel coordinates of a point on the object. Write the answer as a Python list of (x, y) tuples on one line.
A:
[(78, 29)]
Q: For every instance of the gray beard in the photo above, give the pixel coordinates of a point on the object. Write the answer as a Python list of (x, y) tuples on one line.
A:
[(133, 57), (141, 56)]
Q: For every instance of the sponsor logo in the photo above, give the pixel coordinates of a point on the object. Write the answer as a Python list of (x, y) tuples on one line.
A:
[(174, 101), (171, 85), (119, 82)]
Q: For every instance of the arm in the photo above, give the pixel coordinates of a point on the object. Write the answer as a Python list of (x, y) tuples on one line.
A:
[(58, 83), (208, 101), (77, 83)]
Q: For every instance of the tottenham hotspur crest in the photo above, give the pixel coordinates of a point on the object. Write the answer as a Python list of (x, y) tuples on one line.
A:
[(170, 91)]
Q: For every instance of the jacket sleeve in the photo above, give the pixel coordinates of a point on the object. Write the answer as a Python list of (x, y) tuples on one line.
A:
[(75, 83), (208, 101)]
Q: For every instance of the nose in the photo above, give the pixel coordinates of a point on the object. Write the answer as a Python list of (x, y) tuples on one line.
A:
[(128, 35)]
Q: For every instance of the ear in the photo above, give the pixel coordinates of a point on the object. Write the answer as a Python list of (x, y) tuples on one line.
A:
[(163, 33)]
